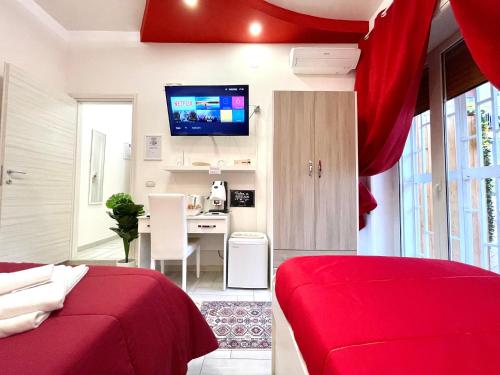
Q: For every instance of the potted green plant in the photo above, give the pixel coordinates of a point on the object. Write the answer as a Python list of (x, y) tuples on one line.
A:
[(125, 212)]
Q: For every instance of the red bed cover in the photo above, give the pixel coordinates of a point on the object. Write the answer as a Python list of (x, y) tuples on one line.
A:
[(354, 315), (116, 321)]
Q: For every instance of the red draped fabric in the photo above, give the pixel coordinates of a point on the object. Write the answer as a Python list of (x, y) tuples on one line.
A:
[(479, 22), (367, 203), (387, 82)]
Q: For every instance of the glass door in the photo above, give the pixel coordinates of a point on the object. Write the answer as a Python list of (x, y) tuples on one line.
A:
[(449, 199), (416, 191), (473, 173)]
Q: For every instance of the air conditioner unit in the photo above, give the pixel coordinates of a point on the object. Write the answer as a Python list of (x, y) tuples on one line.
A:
[(332, 60)]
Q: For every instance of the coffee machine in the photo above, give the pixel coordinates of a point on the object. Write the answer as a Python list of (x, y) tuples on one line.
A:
[(218, 201)]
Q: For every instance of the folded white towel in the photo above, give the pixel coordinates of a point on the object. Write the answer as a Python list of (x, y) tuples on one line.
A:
[(13, 281), (22, 323), (33, 306), (47, 297), (69, 275)]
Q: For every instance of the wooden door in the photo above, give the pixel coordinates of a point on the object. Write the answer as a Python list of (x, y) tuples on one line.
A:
[(293, 193), (38, 142), (336, 193)]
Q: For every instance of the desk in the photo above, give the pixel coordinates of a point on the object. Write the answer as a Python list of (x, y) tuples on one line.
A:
[(200, 224)]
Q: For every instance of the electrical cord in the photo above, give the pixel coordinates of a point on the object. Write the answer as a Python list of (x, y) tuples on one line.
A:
[(256, 109)]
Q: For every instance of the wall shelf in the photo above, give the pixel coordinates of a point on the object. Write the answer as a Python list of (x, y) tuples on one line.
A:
[(189, 169)]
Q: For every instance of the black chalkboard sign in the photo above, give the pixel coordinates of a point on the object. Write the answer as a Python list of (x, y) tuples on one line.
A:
[(242, 198)]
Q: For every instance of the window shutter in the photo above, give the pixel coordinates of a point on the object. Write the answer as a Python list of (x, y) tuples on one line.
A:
[(423, 93), (460, 71)]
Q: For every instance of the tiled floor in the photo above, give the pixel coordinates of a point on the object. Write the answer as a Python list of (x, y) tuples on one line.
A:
[(226, 362), (232, 362), (207, 288), (111, 250)]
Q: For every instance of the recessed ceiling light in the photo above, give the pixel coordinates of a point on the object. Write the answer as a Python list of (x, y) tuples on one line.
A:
[(191, 3), (255, 28)]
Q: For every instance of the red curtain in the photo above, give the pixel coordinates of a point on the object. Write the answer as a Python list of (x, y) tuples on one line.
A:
[(387, 82), (479, 22)]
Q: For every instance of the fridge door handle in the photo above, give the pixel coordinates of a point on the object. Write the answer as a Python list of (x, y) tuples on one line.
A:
[(320, 168), (310, 168)]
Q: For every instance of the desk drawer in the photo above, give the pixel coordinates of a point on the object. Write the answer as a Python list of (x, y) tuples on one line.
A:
[(207, 226), (144, 226)]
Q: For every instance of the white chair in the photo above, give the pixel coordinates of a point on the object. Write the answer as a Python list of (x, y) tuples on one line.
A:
[(169, 235)]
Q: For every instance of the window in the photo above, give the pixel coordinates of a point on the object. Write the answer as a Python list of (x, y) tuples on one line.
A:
[(473, 155), (416, 192), (461, 219)]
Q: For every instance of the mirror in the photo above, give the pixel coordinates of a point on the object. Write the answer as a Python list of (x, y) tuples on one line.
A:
[(97, 154)]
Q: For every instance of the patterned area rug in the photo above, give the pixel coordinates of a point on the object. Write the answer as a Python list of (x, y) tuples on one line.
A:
[(240, 325)]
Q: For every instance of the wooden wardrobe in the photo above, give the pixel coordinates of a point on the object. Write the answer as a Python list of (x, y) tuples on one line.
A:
[(315, 186)]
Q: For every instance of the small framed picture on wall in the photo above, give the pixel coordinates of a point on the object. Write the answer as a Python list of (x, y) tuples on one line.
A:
[(152, 147)]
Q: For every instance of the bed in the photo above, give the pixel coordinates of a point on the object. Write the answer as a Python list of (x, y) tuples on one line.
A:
[(116, 321), (339, 315)]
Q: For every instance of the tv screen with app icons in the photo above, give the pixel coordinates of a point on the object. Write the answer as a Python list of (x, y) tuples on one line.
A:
[(208, 110)]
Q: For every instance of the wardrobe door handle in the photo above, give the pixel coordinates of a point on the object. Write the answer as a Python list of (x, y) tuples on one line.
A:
[(320, 168), (310, 168)]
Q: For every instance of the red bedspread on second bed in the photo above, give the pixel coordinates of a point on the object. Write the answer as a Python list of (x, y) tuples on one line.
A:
[(115, 321), (392, 316)]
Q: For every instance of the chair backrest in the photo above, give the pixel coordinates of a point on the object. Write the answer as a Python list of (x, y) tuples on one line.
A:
[(168, 226)]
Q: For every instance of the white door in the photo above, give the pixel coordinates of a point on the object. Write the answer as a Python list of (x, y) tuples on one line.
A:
[(38, 141)]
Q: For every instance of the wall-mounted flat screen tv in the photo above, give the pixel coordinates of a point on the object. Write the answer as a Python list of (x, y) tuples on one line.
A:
[(208, 110)]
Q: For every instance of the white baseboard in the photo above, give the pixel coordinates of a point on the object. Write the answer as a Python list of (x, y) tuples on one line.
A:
[(96, 243)]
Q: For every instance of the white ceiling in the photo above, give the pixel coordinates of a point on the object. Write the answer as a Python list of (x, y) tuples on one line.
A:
[(338, 9), (96, 15), (126, 15), (444, 25)]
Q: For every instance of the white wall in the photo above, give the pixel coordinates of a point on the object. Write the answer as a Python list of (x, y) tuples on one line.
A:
[(143, 69), (382, 231), (106, 64), (29, 43), (115, 121)]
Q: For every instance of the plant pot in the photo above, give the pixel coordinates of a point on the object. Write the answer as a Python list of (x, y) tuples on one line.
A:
[(130, 264)]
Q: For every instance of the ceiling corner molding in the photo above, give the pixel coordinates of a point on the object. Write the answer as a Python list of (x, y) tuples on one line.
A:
[(104, 36), (46, 19)]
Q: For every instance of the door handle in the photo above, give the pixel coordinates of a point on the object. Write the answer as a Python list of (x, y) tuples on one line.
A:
[(207, 226), (320, 168), (310, 168), (10, 172)]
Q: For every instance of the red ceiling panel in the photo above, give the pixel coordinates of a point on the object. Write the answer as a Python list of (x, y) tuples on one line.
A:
[(228, 21)]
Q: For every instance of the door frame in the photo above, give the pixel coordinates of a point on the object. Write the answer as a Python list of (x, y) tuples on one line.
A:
[(439, 168), (3, 113), (100, 98), (439, 146)]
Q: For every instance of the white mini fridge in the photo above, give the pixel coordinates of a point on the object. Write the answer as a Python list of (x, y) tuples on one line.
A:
[(248, 261)]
